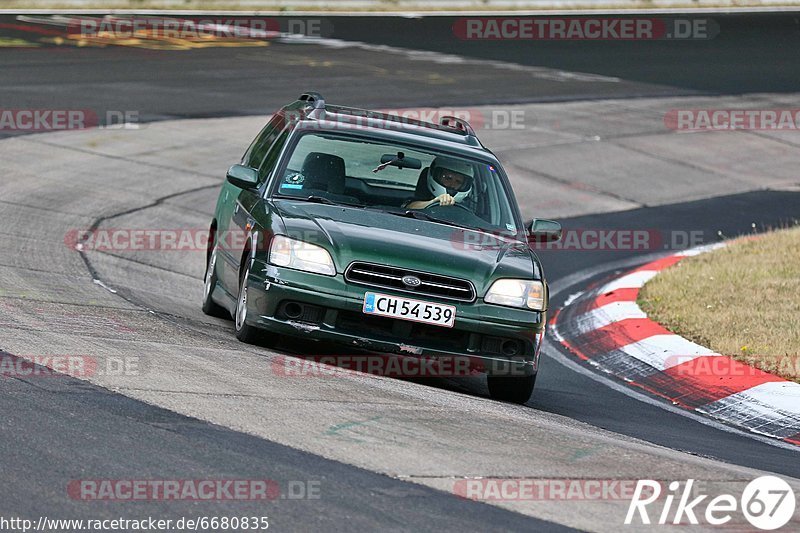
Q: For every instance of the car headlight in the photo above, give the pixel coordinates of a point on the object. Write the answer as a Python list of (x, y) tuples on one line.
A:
[(300, 255), (517, 293)]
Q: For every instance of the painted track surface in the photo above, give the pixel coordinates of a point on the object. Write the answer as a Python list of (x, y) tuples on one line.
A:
[(431, 434)]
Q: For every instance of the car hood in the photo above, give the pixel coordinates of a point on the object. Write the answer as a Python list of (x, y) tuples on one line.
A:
[(353, 234)]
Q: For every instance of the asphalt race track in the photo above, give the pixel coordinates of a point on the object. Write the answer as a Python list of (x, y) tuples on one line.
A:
[(593, 153)]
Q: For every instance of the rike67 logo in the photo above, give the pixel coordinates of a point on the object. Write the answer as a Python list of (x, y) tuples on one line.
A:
[(767, 502)]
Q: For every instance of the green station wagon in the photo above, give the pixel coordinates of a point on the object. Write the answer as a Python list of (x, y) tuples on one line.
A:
[(383, 234)]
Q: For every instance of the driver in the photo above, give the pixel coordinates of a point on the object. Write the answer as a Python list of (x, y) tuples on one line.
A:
[(448, 181)]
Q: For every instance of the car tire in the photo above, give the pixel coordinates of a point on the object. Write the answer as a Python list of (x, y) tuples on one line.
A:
[(210, 307), (245, 332), (514, 389)]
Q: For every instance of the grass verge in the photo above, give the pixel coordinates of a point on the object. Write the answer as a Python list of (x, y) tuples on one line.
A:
[(742, 300)]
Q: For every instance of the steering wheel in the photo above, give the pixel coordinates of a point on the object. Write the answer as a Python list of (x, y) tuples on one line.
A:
[(437, 203)]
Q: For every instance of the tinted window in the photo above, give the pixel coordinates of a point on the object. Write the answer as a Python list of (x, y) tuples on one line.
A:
[(268, 164), (260, 146)]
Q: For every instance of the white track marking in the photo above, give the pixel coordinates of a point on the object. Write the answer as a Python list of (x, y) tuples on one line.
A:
[(781, 395), (607, 314), (634, 280), (665, 351)]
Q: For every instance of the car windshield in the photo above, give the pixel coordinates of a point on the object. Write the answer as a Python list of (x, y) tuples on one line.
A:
[(399, 179)]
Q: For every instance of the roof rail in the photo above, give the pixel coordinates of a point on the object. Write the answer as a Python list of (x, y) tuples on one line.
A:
[(379, 115), (461, 125), (458, 124), (315, 99), (390, 117), (446, 124)]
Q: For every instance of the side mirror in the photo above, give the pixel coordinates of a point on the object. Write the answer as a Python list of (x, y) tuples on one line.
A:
[(542, 230), (243, 177)]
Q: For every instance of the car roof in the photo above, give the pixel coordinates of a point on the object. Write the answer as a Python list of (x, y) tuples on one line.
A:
[(310, 112)]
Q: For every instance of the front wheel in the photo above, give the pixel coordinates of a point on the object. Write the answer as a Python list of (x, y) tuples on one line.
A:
[(245, 332), (514, 389), (210, 307)]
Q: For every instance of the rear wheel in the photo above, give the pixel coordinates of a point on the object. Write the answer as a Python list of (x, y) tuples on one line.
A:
[(210, 307), (245, 332), (514, 389)]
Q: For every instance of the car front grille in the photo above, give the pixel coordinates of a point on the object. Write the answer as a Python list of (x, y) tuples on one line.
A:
[(392, 278)]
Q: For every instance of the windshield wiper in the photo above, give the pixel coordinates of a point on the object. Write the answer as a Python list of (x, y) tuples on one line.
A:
[(318, 200), (419, 215)]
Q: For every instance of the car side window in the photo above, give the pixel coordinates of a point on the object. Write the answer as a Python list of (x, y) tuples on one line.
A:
[(271, 158), (260, 146)]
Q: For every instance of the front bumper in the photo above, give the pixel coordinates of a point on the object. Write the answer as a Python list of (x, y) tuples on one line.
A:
[(482, 332)]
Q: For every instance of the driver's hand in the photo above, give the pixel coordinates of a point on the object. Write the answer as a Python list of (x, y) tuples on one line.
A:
[(444, 199)]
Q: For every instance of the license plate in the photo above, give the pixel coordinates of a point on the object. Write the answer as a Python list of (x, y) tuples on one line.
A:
[(408, 309)]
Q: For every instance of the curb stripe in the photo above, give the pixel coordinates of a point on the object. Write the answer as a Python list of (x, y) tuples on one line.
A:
[(606, 328), (621, 333), (660, 351), (760, 409), (707, 379), (626, 367), (661, 264), (633, 280), (608, 314), (620, 295)]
